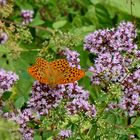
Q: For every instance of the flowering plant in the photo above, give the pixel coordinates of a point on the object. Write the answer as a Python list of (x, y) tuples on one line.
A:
[(91, 38)]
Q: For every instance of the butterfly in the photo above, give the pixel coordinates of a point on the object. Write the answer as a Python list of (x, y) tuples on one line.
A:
[(55, 72)]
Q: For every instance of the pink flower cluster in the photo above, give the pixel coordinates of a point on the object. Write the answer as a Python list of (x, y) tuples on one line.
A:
[(7, 80), (27, 16), (117, 61)]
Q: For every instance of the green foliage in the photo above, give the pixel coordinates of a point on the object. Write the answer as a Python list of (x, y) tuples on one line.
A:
[(9, 130)]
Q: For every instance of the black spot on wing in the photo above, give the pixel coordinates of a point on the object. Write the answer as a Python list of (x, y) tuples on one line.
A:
[(60, 64), (41, 62)]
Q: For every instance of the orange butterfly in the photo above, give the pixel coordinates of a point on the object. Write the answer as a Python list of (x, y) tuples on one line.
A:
[(55, 72)]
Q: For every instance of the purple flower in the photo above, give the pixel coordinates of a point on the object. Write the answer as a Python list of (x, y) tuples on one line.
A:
[(23, 120), (80, 105), (73, 91), (123, 37), (3, 2), (72, 57), (114, 49), (3, 38), (109, 67), (44, 98), (27, 16), (98, 42), (65, 133), (130, 98), (7, 80), (137, 53), (117, 54), (110, 40)]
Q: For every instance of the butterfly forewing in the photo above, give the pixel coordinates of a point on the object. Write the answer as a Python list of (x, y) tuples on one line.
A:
[(70, 75), (41, 62), (39, 73), (59, 65)]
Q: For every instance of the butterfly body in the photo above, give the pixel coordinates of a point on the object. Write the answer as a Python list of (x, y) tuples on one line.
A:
[(55, 72)]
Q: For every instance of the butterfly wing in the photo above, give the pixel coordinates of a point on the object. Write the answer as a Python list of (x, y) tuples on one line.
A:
[(59, 65), (56, 72), (70, 75), (41, 62), (39, 70)]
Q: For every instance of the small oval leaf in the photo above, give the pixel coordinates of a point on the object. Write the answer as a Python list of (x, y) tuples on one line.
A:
[(59, 24)]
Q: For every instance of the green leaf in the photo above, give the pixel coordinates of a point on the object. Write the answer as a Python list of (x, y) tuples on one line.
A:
[(93, 131), (111, 118), (19, 102), (6, 95), (91, 15), (137, 122), (59, 24), (103, 15), (125, 6), (3, 49), (37, 20), (89, 74), (24, 84), (24, 5), (83, 30), (119, 6), (9, 130), (123, 137), (37, 137), (47, 134)]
